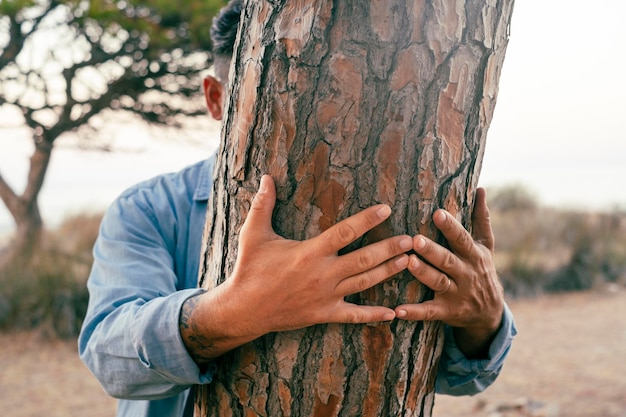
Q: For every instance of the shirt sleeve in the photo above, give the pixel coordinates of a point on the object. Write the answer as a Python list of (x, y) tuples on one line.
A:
[(130, 338), (458, 375)]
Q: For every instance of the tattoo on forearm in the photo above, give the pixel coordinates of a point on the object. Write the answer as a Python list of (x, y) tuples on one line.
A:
[(187, 310), (201, 348)]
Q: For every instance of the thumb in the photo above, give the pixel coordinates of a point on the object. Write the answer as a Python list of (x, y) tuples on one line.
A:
[(259, 217), (481, 221)]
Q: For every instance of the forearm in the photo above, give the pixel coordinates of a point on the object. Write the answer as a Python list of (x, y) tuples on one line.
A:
[(201, 347), (210, 326)]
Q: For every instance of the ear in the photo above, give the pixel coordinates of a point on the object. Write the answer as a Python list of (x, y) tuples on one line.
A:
[(214, 95)]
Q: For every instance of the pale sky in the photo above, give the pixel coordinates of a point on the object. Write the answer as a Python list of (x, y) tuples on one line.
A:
[(558, 127)]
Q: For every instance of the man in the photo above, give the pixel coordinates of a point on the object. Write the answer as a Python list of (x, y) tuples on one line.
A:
[(150, 334)]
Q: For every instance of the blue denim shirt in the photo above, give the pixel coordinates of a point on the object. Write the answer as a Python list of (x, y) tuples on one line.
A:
[(146, 265)]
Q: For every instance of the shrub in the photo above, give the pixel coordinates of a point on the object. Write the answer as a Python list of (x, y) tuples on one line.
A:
[(581, 273), (542, 249), (48, 291), (42, 294), (512, 198), (521, 279)]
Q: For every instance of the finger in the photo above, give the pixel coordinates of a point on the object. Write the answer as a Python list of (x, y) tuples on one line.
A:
[(437, 256), (458, 238), (259, 218), (352, 313), (371, 277), (429, 276), (350, 229), (481, 221), (428, 310), (372, 255)]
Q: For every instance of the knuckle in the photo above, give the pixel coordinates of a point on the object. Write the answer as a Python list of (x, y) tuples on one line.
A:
[(346, 233), (484, 265), (363, 282), (463, 238), (442, 281), (259, 202), (449, 260), (429, 314), (365, 260), (355, 316)]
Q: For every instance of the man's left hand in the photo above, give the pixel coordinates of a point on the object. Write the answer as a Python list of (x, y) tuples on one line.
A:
[(468, 293)]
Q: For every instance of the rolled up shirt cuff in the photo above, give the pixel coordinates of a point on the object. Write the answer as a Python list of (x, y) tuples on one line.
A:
[(160, 346), (458, 375)]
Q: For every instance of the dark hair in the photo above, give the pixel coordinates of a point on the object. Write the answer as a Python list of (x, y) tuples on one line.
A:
[(224, 28)]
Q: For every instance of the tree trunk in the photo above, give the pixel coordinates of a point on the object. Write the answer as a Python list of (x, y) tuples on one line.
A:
[(24, 208), (347, 104)]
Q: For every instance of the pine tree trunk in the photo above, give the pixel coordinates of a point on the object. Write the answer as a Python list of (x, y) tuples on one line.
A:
[(347, 104)]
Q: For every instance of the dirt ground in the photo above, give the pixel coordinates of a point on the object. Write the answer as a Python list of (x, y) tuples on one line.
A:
[(569, 360)]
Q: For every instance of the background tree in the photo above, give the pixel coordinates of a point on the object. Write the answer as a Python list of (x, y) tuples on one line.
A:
[(64, 62), (347, 104)]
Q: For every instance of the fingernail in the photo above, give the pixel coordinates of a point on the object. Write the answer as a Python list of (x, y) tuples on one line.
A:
[(389, 316), (402, 262), (401, 313), (420, 242), (406, 243), (414, 263), (263, 185), (441, 215), (384, 212)]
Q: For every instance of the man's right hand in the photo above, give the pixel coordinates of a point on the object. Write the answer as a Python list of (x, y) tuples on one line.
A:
[(279, 284)]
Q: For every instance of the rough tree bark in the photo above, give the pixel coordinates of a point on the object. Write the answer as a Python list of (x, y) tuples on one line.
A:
[(347, 104)]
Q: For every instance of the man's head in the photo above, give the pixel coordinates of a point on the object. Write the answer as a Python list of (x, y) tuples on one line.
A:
[(223, 34)]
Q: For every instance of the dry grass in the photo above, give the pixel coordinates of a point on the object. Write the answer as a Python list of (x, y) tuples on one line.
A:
[(44, 377), (568, 356)]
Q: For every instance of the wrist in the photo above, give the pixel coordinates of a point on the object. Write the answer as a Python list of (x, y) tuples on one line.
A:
[(213, 323), (475, 341)]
